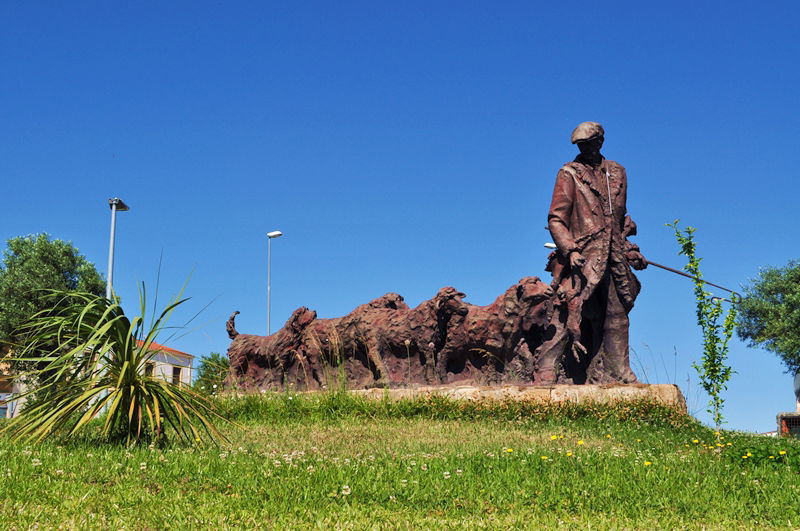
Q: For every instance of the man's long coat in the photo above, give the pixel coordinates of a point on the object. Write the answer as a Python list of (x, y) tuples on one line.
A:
[(588, 214)]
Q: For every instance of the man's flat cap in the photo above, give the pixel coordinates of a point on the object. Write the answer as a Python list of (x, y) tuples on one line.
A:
[(587, 131)]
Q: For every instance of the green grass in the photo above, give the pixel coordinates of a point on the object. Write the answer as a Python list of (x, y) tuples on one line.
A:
[(338, 461)]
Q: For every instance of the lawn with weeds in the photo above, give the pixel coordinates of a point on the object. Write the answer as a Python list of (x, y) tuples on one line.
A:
[(336, 460)]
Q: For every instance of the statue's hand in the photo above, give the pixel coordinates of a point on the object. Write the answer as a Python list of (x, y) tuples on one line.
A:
[(578, 350), (576, 260), (636, 260)]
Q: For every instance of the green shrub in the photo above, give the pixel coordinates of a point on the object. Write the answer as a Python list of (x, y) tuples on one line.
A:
[(713, 371), (92, 362)]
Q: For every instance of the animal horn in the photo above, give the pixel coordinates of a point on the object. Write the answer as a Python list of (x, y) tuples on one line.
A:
[(230, 326)]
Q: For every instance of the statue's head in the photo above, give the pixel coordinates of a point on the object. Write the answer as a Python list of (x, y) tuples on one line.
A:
[(589, 138)]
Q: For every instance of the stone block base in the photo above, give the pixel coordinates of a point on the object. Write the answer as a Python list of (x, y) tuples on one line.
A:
[(667, 394)]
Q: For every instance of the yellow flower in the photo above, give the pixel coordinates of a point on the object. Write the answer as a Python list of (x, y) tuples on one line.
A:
[(638, 440), (545, 458), (782, 452), (772, 457), (509, 450), (580, 442), (608, 435), (569, 454), (749, 454), (695, 441), (729, 444), (648, 463), (553, 437), (744, 457)]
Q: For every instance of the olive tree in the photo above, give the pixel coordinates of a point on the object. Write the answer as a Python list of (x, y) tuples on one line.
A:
[(211, 373), (33, 264), (770, 313)]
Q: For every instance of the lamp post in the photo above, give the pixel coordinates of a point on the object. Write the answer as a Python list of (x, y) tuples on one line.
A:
[(270, 236), (117, 205)]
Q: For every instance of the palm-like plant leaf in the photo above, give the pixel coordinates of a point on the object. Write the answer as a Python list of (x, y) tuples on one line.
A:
[(91, 361)]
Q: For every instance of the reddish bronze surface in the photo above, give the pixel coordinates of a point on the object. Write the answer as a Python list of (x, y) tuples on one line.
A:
[(591, 270), (386, 343), (573, 330)]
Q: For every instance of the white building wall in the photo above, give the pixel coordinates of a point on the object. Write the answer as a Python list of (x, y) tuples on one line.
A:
[(12, 408), (165, 363), (163, 366)]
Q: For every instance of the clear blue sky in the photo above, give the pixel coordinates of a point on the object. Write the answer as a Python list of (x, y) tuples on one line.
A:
[(402, 147)]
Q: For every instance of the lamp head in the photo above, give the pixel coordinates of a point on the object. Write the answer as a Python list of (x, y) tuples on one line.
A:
[(274, 234), (120, 204)]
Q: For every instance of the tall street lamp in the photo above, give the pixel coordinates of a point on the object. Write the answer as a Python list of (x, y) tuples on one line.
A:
[(270, 236), (117, 205)]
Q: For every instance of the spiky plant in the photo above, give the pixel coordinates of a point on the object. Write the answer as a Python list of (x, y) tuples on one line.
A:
[(90, 361)]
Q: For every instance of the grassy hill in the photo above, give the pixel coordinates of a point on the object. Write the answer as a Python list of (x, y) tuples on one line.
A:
[(333, 460)]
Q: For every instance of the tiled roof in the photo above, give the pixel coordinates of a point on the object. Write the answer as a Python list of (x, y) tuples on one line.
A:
[(161, 348)]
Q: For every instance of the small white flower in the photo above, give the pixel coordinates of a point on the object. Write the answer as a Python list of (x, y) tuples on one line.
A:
[(446, 475), (36, 462), (214, 386), (345, 490), (142, 466)]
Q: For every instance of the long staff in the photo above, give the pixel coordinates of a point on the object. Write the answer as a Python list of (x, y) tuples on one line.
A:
[(687, 275), (678, 272)]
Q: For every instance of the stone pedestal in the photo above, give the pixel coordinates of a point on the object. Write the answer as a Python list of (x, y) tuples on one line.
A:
[(667, 394)]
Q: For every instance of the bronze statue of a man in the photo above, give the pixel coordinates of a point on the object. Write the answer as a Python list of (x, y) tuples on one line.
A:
[(591, 268)]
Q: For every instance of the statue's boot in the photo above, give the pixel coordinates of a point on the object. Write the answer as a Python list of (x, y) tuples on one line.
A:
[(612, 363)]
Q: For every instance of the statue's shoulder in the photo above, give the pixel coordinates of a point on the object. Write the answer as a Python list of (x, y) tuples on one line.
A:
[(571, 168), (614, 164)]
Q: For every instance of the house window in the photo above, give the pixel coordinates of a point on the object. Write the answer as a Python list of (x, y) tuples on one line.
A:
[(149, 368), (176, 375)]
